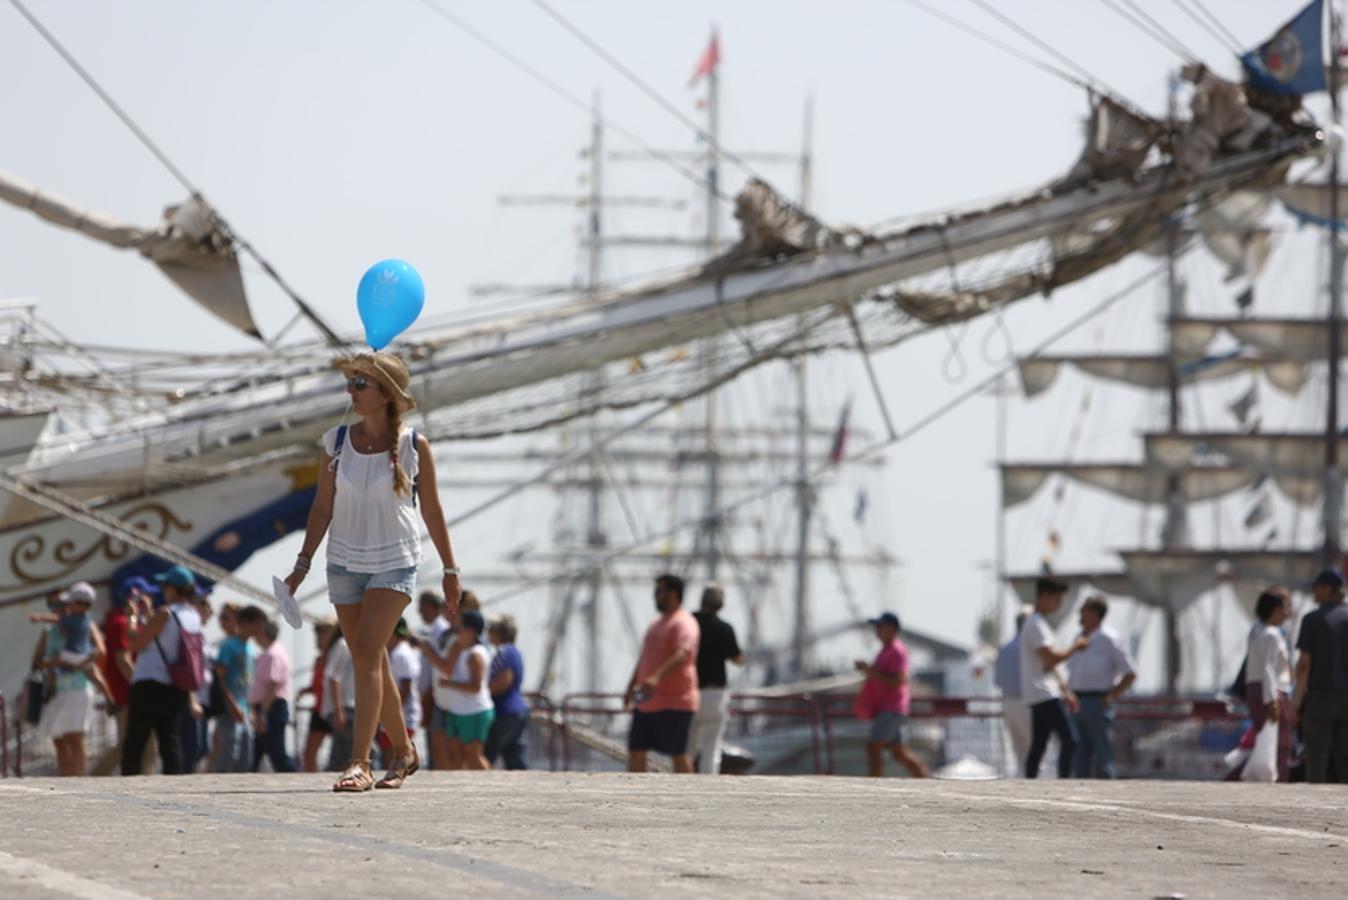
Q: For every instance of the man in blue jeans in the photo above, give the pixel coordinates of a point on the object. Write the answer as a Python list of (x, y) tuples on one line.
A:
[(1098, 676), (1041, 686)]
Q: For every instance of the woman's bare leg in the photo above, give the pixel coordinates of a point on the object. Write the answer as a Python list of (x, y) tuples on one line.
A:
[(455, 754), (374, 619)]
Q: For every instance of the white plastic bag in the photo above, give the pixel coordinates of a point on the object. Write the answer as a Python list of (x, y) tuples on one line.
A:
[(1263, 762)]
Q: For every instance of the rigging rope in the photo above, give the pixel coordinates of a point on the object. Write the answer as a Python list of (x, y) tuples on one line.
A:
[(572, 99), (880, 446), (714, 145), (329, 335), (1221, 33), (1053, 51), (1001, 45), (1145, 23)]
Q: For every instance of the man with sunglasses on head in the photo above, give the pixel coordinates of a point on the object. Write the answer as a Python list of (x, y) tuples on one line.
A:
[(664, 686)]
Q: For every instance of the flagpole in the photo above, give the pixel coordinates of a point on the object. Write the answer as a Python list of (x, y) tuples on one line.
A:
[(1333, 512)]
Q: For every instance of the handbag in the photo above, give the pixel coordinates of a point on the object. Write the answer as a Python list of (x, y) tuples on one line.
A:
[(36, 690), (1263, 762)]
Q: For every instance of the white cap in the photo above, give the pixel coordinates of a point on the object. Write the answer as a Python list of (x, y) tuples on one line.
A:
[(79, 592)]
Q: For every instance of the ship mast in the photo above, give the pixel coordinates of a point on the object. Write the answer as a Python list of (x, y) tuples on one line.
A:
[(711, 534), (804, 491), (1174, 533), (1333, 511)]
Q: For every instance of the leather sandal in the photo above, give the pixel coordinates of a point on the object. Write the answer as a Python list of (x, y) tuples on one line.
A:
[(403, 768), (356, 779)]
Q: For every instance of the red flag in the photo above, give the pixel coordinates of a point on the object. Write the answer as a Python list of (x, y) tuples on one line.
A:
[(835, 453), (711, 57)]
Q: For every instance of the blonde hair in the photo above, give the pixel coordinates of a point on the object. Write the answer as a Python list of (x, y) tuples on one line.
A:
[(402, 482), (468, 600)]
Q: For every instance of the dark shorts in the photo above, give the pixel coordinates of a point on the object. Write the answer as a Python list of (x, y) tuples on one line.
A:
[(664, 732), (319, 724)]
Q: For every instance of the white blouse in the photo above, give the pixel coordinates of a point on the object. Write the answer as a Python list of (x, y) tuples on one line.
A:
[(1269, 662), (462, 703), (373, 529)]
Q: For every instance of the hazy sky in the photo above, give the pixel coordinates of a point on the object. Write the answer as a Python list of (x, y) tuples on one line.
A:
[(332, 134)]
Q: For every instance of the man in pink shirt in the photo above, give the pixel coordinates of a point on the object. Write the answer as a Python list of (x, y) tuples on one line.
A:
[(270, 692), (664, 685), (884, 700)]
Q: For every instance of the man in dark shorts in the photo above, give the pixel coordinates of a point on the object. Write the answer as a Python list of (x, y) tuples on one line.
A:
[(1322, 682), (664, 686)]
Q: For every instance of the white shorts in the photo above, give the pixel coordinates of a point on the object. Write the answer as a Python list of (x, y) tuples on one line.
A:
[(66, 713)]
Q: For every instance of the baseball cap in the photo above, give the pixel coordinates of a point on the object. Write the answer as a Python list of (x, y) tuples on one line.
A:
[(885, 618), (472, 620), (132, 584), (177, 576), (79, 592), (1330, 577)]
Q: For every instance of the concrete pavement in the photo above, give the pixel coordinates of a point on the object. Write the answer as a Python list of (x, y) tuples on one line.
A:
[(508, 834)]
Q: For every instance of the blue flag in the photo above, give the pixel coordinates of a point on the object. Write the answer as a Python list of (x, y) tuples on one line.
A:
[(1293, 60)]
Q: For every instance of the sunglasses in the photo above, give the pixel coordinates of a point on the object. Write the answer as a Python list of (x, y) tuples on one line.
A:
[(358, 383)]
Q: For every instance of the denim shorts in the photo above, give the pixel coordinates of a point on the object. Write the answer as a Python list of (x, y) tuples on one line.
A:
[(887, 728), (347, 588)]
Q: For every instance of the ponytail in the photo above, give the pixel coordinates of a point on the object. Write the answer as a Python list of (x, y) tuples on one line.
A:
[(402, 482)]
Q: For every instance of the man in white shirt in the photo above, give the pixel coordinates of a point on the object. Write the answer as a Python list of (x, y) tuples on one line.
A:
[(1097, 676), (339, 704), (1041, 686)]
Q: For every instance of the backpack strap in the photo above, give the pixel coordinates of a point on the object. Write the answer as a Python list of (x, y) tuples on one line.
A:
[(160, 647), (416, 482), (337, 445)]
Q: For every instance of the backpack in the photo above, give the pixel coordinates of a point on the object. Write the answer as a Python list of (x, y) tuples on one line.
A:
[(188, 671), (340, 438)]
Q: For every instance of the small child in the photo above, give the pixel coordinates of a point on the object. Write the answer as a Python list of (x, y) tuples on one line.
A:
[(77, 645)]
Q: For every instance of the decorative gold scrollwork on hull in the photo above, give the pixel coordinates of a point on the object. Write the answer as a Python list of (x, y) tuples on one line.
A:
[(27, 559)]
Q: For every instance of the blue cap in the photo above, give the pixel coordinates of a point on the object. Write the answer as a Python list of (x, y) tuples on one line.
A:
[(473, 621), (1330, 577), (886, 618), (130, 585), (177, 576)]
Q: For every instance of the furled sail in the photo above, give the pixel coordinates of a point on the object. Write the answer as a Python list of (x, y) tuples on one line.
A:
[(1310, 203), (1302, 340), (1132, 481), (187, 246), (1295, 460), (1037, 374)]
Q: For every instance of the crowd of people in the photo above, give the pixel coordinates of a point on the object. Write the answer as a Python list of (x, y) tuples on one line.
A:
[(241, 713), (1072, 693)]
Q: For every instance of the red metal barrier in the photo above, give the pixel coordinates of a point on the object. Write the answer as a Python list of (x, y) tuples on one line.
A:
[(809, 733)]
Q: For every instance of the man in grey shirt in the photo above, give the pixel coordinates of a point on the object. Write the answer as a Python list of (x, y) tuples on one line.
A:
[(1098, 675)]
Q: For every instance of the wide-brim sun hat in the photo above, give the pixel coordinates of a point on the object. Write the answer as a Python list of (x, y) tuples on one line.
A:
[(387, 370)]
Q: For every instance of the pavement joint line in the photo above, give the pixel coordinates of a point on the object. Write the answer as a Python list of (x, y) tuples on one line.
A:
[(59, 881), (502, 873), (1156, 814)]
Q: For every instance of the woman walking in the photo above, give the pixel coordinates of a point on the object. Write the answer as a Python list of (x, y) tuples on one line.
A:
[(157, 704), (374, 476), (1268, 674)]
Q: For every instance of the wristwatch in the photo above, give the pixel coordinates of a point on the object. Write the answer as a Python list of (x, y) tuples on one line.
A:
[(451, 570)]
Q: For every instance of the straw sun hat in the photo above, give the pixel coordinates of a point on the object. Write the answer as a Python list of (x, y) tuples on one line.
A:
[(386, 369)]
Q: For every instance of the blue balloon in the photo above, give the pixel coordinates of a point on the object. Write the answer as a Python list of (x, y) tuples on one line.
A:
[(389, 298)]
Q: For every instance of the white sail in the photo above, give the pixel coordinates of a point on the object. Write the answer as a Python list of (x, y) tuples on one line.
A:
[(1295, 461), (1131, 481), (1153, 372), (187, 246), (1300, 340)]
